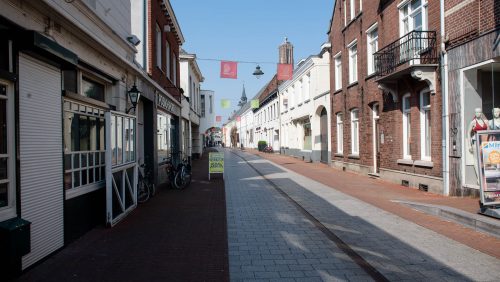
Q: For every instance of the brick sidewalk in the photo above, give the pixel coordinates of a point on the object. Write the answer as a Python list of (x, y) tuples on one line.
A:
[(382, 193), (178, 235)]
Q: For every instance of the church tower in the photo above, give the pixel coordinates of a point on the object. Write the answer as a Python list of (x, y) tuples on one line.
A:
[(286, 52), (243, 99)]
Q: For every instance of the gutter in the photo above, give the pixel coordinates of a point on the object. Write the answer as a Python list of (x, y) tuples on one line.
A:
[(445, 113)]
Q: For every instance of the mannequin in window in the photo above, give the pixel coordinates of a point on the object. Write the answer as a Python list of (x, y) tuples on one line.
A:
[(494, 124), (478, 123)]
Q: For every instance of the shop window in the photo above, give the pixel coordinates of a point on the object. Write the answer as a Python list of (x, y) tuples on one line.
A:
[(307, 136), (165, 133), (340, 133), (7, 159), (480, 85), (406, 127), (425, 125), (84, 145), (355, 132)]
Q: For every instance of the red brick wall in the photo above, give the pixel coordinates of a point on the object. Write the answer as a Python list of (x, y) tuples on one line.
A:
[(467, 22), (365, 92), (156, 15)]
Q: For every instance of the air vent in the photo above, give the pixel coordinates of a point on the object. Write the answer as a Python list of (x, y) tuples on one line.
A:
[(405, 183), (423, 187), (343, 168)]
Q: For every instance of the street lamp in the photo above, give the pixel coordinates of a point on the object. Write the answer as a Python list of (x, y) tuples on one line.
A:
[(134, 94), (258, 72)]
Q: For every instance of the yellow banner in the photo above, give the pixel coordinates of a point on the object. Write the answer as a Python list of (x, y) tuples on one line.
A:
[(216, 162)]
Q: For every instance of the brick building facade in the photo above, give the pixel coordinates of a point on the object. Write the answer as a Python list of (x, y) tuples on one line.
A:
[(385, 92)]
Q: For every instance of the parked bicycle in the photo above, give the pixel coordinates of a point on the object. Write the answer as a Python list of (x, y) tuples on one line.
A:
[(183, 176), (145, 187)]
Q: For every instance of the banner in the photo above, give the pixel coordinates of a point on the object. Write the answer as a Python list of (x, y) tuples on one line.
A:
[(228, 69), (218, 118), (255, 104), (285, 71), (225, 103)]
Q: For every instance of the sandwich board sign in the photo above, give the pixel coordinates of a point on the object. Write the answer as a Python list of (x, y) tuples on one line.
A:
[(215, 163)]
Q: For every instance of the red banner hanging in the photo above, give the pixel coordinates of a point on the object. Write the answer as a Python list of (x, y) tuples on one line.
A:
[(285, 71), (218, 118), (228, 69)]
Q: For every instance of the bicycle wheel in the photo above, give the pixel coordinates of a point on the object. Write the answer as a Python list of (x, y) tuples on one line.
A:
[(142, 192), (179, 180)]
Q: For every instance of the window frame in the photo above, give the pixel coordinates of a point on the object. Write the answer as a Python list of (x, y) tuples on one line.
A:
[(338, 70), (9, 211), (340, 132), (353, 66), (425, 135), (355, 132), (424, 6), (168, 59), (370, 39), (352, 9), (406, 126), (158, 44)]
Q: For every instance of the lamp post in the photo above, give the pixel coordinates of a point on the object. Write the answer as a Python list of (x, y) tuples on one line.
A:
[(258, 72), (134, 94)]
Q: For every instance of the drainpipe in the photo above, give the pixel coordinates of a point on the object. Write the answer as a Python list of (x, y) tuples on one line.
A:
[(444, 91)]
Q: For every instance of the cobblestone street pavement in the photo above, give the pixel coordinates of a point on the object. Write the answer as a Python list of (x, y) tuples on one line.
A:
[(276, 231)]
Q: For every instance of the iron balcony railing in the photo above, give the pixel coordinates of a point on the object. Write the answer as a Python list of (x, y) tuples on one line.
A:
[(416, 47)]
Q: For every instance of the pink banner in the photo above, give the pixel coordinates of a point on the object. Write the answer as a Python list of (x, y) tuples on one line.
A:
[(228, 69), (218, 118), (285, 71)]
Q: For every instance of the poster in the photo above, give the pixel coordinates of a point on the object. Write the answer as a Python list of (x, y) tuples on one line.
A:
[(489, 168), (215, 162)]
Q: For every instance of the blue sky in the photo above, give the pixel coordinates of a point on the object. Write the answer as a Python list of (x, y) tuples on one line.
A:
[(244, 30)]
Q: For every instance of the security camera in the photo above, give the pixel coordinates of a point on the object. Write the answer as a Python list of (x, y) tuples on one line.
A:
[(134, 40)]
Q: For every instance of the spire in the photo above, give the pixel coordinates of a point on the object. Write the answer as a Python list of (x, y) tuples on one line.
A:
[(243, 99)]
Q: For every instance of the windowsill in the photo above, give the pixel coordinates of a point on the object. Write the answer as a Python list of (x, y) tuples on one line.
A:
[(427, 164), (353, 156), (338, 155), (76, 192), (352, 84), (292, 108), (300, 104), (405, 161), (337, 91), (307, 101), (81, 98), (370, 76)]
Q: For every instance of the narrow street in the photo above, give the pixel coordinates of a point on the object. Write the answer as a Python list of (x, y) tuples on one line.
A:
[(270, 238)]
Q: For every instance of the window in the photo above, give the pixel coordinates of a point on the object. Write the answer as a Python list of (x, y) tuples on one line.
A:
[(353, 62), (413, 16), (298, 86), (338, 71), (202, 105), (84, 145), (425, 125), (158, 46), (292, 97), (340, 133), (174, 70), (306, 86), (167, 56), (165, 133), (307, 136), (7, 159), (355, 132), (372, 47), (360, 5), (345, 13), (406, 127), (210, 104), (92, 89), (352, 9)]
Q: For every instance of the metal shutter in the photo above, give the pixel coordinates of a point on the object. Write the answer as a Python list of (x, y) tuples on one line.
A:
[(40, 151)]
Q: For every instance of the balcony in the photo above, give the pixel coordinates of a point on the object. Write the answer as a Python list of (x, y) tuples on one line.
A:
[(413, 54), (415, 48)]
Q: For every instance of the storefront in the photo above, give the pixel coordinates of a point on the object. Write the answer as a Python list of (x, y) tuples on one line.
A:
[(474, 84), (168, 124)]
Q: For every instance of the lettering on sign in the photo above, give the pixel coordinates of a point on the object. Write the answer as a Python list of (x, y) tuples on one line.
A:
[(164, 103)]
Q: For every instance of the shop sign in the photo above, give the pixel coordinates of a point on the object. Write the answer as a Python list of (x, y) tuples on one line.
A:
[(215, 163), (165, 103), (488, 161)]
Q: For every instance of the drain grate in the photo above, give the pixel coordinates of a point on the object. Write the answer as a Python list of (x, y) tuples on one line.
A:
[(423, 187)]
